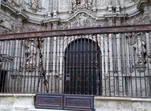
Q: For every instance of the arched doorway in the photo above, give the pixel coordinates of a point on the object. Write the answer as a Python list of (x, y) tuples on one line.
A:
[(82, 68)]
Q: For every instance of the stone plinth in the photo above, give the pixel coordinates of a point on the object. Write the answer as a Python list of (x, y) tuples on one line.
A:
[(122, 104), (16, 102), (25, 102)]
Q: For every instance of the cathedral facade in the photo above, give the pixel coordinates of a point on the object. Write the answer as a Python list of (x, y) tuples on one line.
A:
[(98, 48)]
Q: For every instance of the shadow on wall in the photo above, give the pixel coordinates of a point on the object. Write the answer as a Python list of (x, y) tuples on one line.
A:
[(3, 74)]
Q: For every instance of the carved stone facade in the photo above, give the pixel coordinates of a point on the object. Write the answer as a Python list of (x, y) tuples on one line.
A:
[(29, 15), (37, 15)]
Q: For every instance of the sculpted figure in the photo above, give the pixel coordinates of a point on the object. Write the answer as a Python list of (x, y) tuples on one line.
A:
[(31, 52), (35, 5), (140, 51), (82, 20), (74, 3)]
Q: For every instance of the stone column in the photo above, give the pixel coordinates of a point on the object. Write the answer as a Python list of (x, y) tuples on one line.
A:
[(106, 64), (103, 46), (110, 5), (148, 42), (47, 54), (117, 6), (50, 8), (110, 53), (16, 55), (110, 64), (94, 5), (70, 6), (55, 8), (119, 65), (0, 3), (55, 25), (118, 52), (54, 46)]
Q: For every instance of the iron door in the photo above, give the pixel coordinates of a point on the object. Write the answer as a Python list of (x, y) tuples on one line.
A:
[(82, 73)]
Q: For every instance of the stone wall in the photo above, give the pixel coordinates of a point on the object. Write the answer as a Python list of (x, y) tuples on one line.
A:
[(122, 104), (25, 102), (16, 102)]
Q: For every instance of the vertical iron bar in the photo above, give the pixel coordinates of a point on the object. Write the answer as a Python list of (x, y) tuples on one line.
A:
[(108, 65), (122, 64), (88, 69), (135, 75), (104, 65), (97, 65)]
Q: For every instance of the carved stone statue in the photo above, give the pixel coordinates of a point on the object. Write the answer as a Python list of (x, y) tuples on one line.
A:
[(82, 20), (140, 54), (140, 50), (30, 52), (35, 5)]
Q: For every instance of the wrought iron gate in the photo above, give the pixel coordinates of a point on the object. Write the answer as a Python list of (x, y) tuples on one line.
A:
[(112, 61), (81, 68)]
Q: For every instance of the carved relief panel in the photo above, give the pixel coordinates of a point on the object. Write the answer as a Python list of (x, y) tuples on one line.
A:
[(82, 4), (137, 43)]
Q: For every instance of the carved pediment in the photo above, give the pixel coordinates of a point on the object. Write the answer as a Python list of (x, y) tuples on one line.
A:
[(80, 20)]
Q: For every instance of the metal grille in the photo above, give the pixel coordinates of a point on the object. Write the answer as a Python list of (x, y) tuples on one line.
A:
[(90, 64)]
